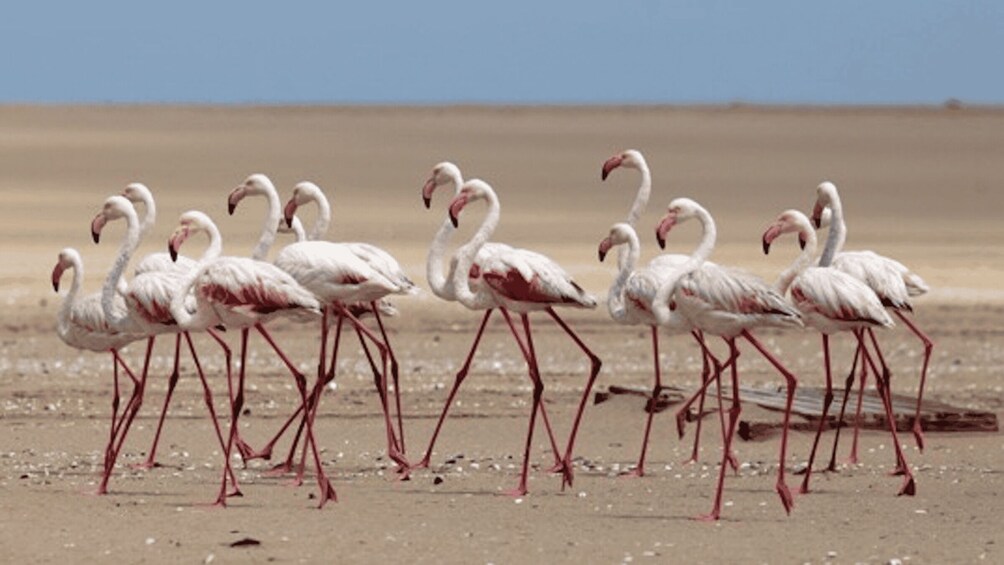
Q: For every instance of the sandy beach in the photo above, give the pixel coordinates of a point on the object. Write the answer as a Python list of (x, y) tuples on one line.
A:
[(918, 184)]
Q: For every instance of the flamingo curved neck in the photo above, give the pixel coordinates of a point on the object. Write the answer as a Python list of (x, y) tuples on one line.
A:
[(615, 297), (837, 234), (179, 312), (323, 220), (802, 262), (272, 217), (660, 306), (63, 320), (641, 199), (467, 253), (434, 261), (129, 243), (150, 216)]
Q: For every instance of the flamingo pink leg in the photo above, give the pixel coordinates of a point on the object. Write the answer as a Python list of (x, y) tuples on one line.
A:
[(734, 411), (327, 492), (706, 379), (792, 382), (207, 395), (639, 469), (827, 400), (235, 409), (886, 382), (394, 376), (909, 487), (595, 364), (538, 389), (858, 419), (559, 464), (848, 384), (172, 381), (918, 429), (243, 448), (116, 400), (128, 415), (457, 380)]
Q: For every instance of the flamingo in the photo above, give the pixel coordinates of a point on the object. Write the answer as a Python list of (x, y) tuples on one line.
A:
[(831, 301), (242, 293), (633, 159), (138, 193), (147, 299), (891, 280), (447, 173), (522, 281), (730, 304), (81, 324), (630, 302), (378, 259), (299, 264)]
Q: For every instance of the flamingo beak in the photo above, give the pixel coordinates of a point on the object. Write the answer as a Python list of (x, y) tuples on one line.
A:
[(769, 236), (430, 185), (57, 273), (96, 226), (666, 224), (236, 195), (801, 242), (455, 207), (289, 211), (177, 238), (817, 215), (611, 164), (605, 246)]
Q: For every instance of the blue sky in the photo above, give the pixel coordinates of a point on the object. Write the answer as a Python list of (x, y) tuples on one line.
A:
[(588, 51)]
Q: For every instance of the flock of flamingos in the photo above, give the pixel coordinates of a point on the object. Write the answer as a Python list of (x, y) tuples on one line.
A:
[(338, 283)]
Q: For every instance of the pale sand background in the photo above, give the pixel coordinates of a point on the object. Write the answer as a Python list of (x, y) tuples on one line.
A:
[(923, 185)]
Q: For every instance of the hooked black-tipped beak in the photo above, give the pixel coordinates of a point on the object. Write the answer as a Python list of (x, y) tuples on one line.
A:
[(666, 224), (604, 248), (234, 198), (430, 185), (769, 235), (766, 247), (172, 252), (96, 225), (289, 211), (817, 216), (610, 164), (455, 207), (57, 273), (801, 243)]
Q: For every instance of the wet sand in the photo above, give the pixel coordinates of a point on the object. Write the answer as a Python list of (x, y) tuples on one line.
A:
[(918, 184)]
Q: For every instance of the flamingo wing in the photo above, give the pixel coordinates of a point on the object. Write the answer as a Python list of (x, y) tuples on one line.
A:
[(527, 276), (886, 277), (838, 296), (735, 291), (242, 284)]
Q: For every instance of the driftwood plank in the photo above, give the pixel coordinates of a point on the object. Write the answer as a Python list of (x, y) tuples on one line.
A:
[(808, 402)]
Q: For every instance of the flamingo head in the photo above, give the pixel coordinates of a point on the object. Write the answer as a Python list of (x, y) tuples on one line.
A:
[(790, 221), (825, 194), (114, 208), (631, 159), (303, 193), (679, 210), (254, 185), (472, 190), (67, 258), (137, 192), (443, 173), (189, 223), (620, 234)]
